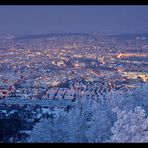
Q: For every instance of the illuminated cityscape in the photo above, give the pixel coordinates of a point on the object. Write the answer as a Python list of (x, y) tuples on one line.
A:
[(68, 63), (73, 74)]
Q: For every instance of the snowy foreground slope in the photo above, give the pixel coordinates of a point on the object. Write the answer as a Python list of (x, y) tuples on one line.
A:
[(113, 117)]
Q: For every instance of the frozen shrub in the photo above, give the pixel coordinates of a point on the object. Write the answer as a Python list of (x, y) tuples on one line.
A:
[(130, 126)]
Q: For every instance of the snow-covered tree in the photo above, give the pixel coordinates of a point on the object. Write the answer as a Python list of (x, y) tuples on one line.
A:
[(41, 132), (87, 121), (130, 99), (130, 126), (62, 128)]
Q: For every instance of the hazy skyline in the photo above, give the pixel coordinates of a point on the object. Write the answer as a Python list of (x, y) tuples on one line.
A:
[(75, 19)]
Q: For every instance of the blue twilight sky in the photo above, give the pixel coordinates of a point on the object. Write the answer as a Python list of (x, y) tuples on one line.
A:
[(76, 19)]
